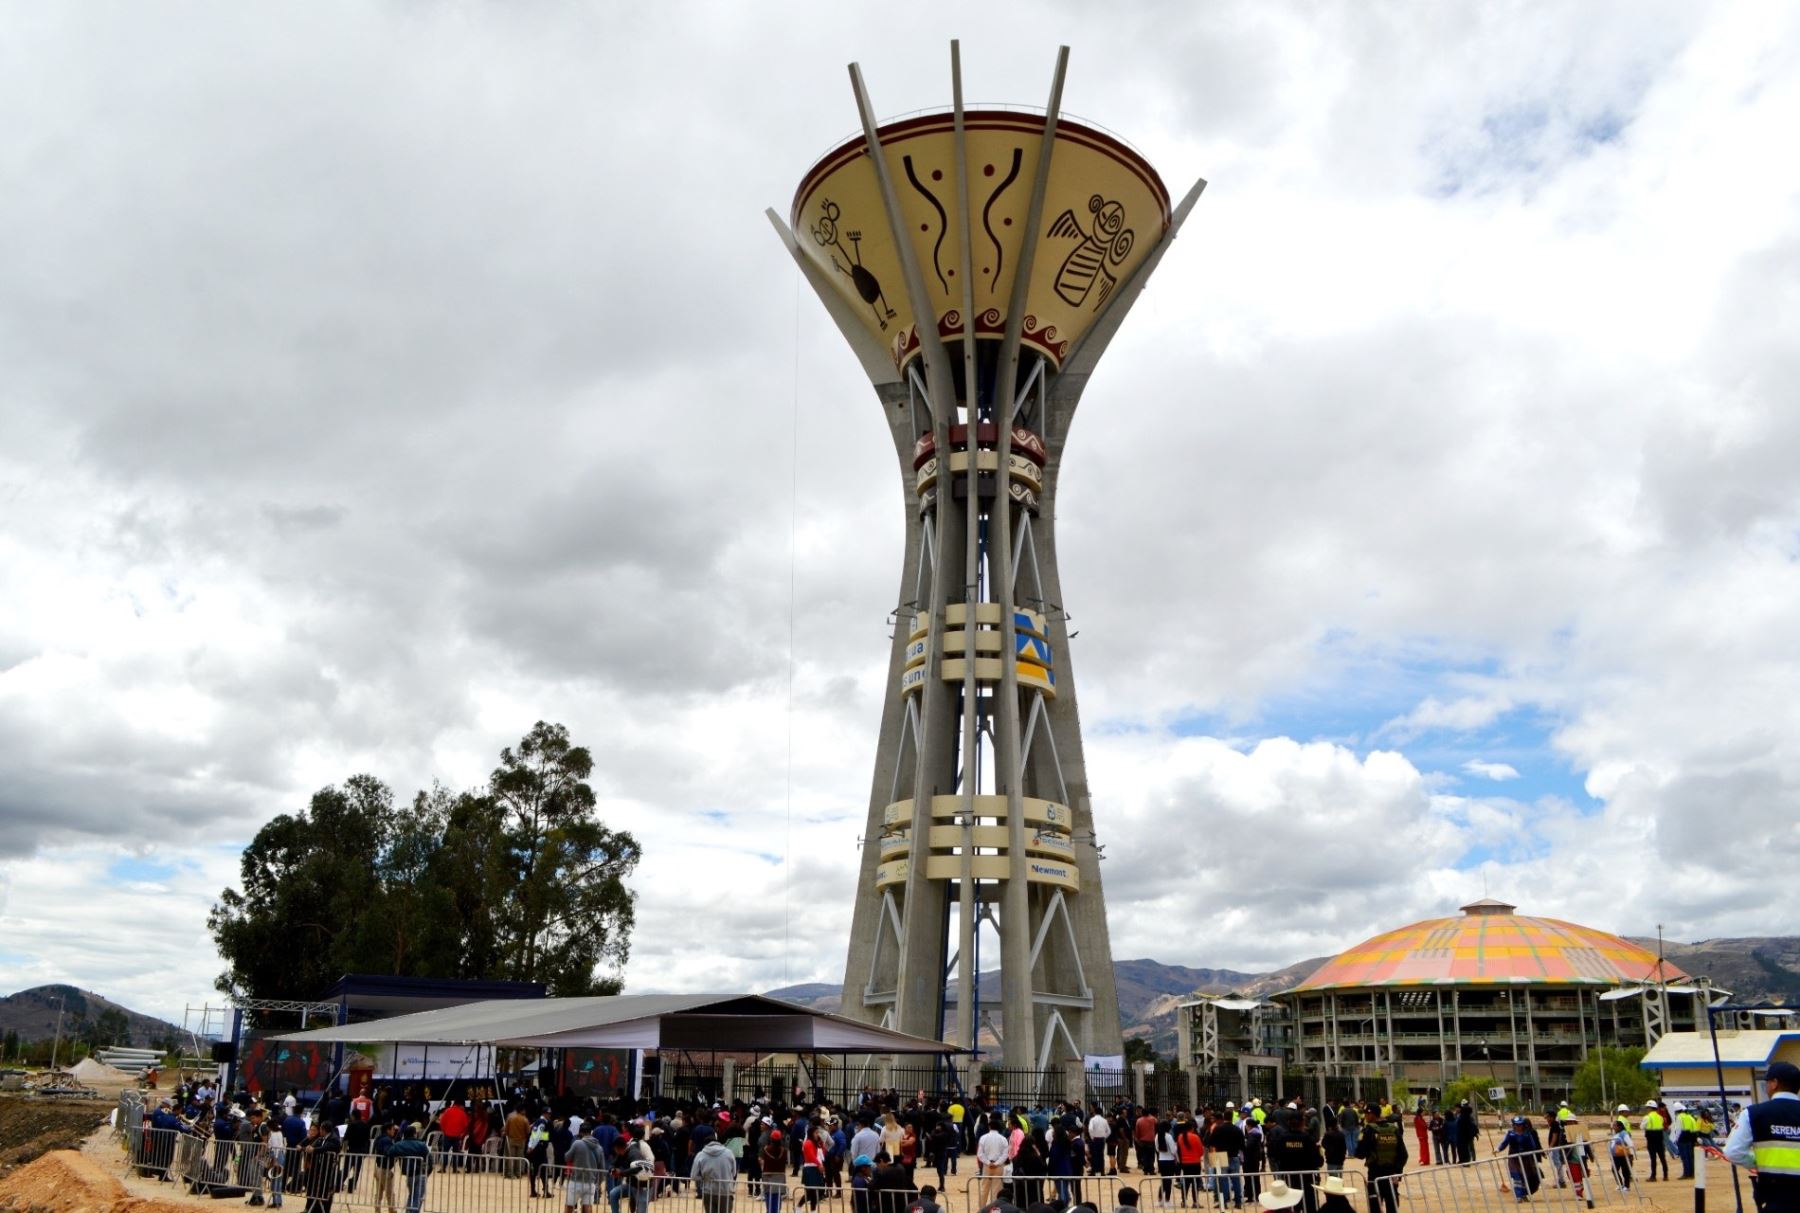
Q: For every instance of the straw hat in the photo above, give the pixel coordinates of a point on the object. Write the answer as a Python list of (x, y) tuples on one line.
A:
[(1334, 1186), (1278, 1195)]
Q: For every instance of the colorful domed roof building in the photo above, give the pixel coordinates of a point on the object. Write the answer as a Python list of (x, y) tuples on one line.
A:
[(1494, 992), (1489, 945), (1491, 992)]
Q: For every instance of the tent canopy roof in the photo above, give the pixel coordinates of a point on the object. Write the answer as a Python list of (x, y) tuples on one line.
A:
[(722, 1023)]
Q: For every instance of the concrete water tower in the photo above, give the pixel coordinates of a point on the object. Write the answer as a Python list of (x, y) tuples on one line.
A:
[(978, 262)]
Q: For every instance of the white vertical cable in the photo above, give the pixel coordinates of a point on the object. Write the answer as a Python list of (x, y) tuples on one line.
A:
[(787, 849)]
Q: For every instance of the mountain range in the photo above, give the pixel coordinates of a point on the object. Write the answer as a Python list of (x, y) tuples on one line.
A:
[(32, 1014), (1149, 992), (1753, 969), (1760, 968)]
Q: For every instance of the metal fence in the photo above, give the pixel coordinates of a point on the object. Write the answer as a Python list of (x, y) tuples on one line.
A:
[(1195, 1187), (440, 1182), (845, 1085), (841, 1085), (1048, 1087), (1579, 1176)]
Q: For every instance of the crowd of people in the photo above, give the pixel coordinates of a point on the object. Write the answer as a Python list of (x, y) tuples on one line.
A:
[(886, 1153), (1666, 1127), (883, 1154)]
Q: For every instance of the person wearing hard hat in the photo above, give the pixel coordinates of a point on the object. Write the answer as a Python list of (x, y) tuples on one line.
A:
[(1656, 1130), (1767, 1137), (1622, 1150), (1256, 1111), (1563, 1112), (1688, 1132)]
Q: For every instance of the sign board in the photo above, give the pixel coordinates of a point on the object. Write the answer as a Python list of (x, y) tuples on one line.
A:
[(413, 1061)]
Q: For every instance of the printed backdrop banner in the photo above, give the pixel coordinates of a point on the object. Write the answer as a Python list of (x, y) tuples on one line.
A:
[(408, 1061), (1103, 1061)]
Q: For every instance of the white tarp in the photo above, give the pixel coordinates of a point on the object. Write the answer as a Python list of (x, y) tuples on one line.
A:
[(713, 1022)]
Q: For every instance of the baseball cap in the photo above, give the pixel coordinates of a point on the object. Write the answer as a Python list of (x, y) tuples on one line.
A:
[(863, 1160)]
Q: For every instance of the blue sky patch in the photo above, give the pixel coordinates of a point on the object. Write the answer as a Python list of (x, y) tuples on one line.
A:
[(131, 868), (1351, 707)]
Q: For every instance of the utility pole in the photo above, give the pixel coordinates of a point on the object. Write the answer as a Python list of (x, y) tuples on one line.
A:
[(56, 1046), (1600, 1039)]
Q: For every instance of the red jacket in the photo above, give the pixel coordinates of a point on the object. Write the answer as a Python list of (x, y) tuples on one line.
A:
[(454, 1122)]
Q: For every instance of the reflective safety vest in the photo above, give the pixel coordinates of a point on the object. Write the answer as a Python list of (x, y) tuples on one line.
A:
[(1653, 1122), (1775, 1145), (1258, 1115), (1687, 1122), (1564, 1115)]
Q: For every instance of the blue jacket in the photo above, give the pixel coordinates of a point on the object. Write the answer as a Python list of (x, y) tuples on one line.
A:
[(413, 1156)]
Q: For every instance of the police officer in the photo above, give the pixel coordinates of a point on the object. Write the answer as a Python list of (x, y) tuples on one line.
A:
[(1768, 1138)]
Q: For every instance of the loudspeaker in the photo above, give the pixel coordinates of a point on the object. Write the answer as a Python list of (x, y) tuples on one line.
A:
[(652, 1067), (224, 1051)]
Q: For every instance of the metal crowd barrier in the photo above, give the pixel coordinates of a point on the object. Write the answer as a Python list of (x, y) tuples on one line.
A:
[(1196, 1187), (1577, 1176), (454, 1182)]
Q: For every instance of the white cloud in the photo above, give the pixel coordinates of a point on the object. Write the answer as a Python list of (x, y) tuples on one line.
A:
[(1499, 772)]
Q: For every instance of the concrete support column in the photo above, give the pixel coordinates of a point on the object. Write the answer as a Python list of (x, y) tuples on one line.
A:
[(728, 1079), (1074, 1081)]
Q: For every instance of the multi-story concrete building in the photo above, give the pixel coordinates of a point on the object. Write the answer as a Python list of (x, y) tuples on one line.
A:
[(1235, 1045), (1493, 993)]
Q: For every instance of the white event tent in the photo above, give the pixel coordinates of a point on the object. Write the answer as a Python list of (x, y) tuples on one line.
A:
[(717, 1023)]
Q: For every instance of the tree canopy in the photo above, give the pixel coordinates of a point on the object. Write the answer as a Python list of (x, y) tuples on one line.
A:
[(518, 881), (1625, 1083), (108, 1028)]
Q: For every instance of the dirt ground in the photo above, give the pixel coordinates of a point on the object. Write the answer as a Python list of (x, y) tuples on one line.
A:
[(65, 1181), (30, 1127)]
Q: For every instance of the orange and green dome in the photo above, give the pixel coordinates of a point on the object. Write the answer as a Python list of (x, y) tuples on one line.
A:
[(1490, 945)]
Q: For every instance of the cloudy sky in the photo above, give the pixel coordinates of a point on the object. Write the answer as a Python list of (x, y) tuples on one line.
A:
[(380, 379)]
